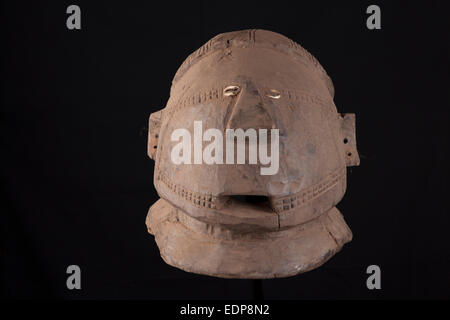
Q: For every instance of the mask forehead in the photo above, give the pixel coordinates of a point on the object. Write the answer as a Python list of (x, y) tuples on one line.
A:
[(262, 68), (230, 42)]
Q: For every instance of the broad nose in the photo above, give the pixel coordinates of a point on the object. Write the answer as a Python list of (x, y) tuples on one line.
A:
[(249, 110)]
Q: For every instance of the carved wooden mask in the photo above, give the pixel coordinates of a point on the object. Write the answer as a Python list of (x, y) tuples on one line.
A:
[(229, 220)]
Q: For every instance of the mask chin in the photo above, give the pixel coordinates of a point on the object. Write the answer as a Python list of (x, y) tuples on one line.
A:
[(217, 250)]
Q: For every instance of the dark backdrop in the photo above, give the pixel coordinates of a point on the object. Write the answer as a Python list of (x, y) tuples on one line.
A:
[(77, 183)]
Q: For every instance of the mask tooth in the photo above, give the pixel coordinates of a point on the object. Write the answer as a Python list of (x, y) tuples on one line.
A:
[(220, 202), (276, 203)]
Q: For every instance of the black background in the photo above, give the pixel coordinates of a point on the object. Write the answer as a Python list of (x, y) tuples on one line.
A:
[(77, 183)]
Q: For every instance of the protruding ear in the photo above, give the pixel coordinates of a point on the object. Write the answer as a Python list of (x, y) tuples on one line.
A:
[(348, 124), (154, 124)]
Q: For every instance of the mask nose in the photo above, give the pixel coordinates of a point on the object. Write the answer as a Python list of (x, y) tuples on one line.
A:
[(248, 110)]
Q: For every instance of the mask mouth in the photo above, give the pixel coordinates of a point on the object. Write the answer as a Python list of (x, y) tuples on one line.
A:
[(255, 202)]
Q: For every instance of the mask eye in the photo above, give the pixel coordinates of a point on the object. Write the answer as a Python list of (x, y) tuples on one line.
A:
[(231, 91), (274, 94)]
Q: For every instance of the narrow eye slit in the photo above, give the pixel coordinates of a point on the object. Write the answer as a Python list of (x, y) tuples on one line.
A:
[(231, 91), (274, 94)]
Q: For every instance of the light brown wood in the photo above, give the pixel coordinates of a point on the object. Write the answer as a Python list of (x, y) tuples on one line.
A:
[(208, 220)]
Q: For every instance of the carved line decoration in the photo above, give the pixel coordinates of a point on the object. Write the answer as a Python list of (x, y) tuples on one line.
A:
[(302, 197), (215, 94), (224, 41), (279, 204)]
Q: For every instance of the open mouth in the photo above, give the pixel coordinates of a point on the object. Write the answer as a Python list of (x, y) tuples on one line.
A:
[(253, 202), (258, 202)]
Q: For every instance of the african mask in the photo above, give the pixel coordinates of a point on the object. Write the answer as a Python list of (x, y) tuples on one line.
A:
[(263, 207)]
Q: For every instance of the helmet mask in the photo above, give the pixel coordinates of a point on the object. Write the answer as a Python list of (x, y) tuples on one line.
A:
[(227, 218)]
